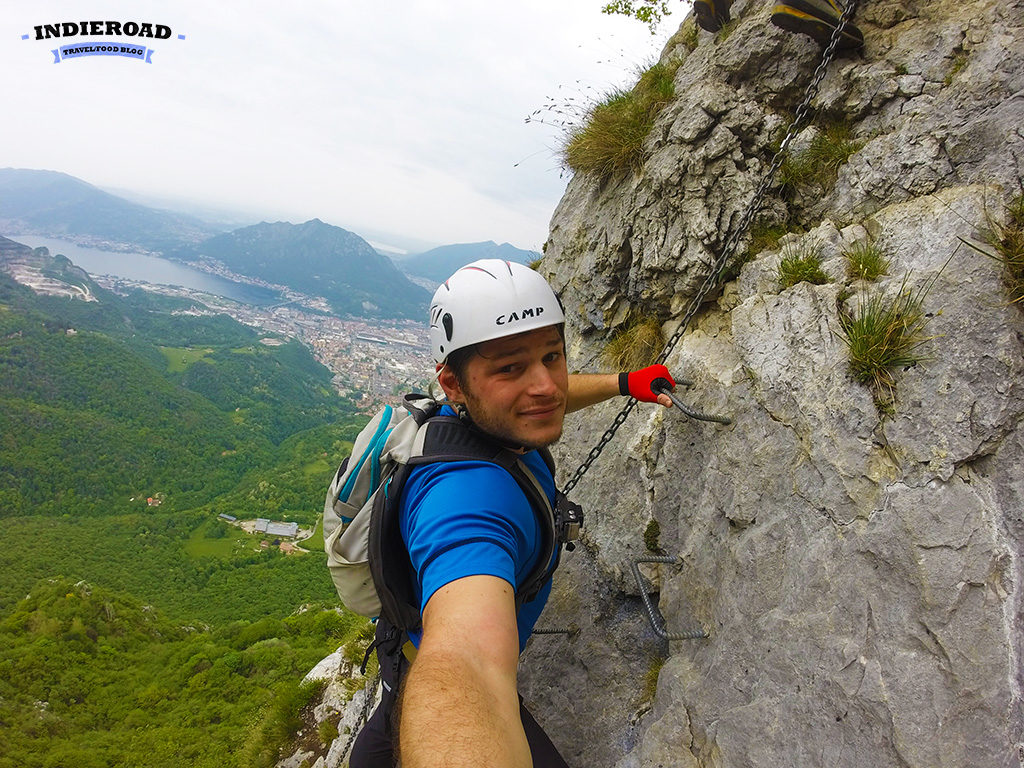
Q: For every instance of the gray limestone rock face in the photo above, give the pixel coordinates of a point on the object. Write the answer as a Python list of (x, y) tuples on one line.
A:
[(339, 706), (855, 555)]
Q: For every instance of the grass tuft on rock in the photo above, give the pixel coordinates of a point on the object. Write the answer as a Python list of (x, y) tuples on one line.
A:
[(611, 138), (327, 731), (865, 261), (1010, 247), (281, 720), (685, 36), (726, 31), (959, 61), (820, 162), (765, 236), (636, 345), (882, 336), (801, 264), (651, 675), (1008, 241)]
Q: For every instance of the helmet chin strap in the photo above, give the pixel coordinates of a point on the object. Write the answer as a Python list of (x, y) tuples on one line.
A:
[(463, 414), (435, 382)]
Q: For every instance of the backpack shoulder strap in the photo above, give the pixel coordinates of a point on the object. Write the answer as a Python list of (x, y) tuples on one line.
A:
[(448, 438), (421, 407)]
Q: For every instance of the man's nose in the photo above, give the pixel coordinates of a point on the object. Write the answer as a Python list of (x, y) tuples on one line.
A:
[(542, 381)]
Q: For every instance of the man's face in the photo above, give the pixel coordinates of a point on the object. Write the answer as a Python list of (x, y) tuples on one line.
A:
[(515, 387)]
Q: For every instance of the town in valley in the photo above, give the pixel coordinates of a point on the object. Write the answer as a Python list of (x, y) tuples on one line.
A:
[(374, 361)]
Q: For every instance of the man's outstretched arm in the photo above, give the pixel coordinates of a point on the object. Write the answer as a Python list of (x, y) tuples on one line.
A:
[(587, 389), (460, 708)]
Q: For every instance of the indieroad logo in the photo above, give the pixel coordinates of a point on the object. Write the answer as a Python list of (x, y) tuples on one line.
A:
[(136, 49)]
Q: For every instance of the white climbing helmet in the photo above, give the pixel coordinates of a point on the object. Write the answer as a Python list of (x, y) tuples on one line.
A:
[(486, 300)]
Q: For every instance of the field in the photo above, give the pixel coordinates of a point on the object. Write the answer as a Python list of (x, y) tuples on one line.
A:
[(180, 358)]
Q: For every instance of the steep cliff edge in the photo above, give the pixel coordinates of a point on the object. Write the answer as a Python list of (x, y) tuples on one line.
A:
[(857, 563), (855, 555)]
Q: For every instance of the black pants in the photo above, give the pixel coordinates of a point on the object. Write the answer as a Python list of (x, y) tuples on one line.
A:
[(372, 747)]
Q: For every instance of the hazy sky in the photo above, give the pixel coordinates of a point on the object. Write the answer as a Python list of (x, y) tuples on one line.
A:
[(396, 117)]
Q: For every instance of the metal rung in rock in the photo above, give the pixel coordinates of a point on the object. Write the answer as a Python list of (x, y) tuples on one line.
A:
[(664, 388), (572, 630), (657, 622)]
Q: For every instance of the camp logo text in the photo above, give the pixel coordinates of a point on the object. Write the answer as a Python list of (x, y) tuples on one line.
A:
[(513, 317), (134, 29)]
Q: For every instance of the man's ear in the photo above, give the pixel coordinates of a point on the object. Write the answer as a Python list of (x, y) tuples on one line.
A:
[(450, 384)]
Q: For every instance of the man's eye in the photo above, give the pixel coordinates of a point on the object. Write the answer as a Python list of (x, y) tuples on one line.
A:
[(552, 357)]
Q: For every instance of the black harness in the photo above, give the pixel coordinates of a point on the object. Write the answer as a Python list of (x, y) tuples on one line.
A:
[(452, 439)]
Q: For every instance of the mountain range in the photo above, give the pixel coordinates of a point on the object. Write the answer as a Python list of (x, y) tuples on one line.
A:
[(59, 205), (438, 264), (313, 258), (316, 259)]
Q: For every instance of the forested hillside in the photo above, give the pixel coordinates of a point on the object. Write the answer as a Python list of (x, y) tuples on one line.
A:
[(91, 678), (336, 264), (153, 632), (105, 404)]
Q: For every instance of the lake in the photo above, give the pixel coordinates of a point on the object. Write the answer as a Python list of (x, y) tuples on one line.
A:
[(151, 269)]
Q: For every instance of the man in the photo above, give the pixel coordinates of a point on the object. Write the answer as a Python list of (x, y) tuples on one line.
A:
[(497, 336), (816, 18)]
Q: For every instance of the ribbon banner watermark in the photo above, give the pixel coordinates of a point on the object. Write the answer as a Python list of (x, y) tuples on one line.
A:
[(78, 50), (139, 32)]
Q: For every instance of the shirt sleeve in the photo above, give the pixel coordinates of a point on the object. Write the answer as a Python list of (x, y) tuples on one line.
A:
[(466, 519)]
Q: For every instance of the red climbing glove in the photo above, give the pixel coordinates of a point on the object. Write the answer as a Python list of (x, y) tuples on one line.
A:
[(638, 383)]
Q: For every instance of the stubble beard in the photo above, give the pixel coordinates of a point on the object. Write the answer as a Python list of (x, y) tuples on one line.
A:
[(501, 432)]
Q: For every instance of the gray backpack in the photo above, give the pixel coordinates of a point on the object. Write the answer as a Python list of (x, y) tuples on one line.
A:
[(366, 555)]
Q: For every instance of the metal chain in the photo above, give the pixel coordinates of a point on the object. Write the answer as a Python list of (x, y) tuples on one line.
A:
[(606, 438), (732, 240), (369, 696)]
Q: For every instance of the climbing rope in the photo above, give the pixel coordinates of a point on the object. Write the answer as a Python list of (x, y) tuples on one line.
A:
[(657, 622), (732, 240)]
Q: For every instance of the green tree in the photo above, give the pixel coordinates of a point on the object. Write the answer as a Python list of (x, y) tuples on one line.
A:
[(650, 12)]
